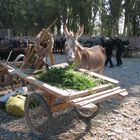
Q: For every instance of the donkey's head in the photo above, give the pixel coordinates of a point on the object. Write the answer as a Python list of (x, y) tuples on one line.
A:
[(71, 42)]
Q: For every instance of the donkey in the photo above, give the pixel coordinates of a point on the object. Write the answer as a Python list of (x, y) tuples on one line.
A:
[(92, 59)]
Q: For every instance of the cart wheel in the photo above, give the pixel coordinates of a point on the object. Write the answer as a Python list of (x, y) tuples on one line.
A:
[(86, 114), (38, 115)]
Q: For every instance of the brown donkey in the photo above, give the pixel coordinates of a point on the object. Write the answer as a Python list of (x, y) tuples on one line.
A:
[(92, 59)]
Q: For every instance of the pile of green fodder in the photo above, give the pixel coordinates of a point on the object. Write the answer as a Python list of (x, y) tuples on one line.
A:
[(68, 78)]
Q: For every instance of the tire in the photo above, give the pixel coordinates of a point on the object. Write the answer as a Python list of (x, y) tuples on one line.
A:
[(38, 115), (86, 114)]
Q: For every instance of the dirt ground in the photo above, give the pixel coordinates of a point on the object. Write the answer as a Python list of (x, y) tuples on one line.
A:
[(116, 120)]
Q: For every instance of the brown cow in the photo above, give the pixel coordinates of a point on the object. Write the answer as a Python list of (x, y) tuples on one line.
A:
[(92, 59)]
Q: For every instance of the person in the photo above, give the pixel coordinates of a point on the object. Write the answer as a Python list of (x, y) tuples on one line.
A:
[(109, 48), (119, 50)]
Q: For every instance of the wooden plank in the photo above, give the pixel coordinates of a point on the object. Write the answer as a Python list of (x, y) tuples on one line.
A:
[(92, 107), (17, 64), (59, 107), (62, 65), (99, 76), (121, 95), (94, 95), (82, 93), (99, 99), (49, 98), (41, 85), (9, 56)]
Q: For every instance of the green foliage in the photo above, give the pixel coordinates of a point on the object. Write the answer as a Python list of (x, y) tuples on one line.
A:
[(28, 17), (68, 78)]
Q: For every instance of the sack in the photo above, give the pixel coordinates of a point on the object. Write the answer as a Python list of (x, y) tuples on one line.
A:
[(15, 105)]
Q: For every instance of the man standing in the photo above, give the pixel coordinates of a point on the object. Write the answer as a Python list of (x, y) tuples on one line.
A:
[(109, 48), (119, 50)]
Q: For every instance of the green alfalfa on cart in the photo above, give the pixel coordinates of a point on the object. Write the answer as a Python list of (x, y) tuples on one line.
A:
[(68, 78)]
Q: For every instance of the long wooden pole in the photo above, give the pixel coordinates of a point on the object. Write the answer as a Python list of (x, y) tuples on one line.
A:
[(52, 23)]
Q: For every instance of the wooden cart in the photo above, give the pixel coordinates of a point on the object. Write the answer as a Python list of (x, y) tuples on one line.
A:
[(40, 106)]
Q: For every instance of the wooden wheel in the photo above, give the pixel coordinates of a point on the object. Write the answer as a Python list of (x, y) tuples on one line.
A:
[(38, 115), (86, 114)]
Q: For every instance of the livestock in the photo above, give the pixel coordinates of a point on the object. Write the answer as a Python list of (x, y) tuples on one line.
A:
[(92, 59)]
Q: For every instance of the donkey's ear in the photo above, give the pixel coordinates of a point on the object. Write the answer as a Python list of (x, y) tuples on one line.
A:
[(66, 30), (79, 31)]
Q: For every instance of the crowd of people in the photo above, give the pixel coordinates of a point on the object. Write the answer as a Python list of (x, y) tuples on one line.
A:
[(110, 44), (6, 43)]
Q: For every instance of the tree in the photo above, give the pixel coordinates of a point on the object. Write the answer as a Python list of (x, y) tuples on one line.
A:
[(28, 17)]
